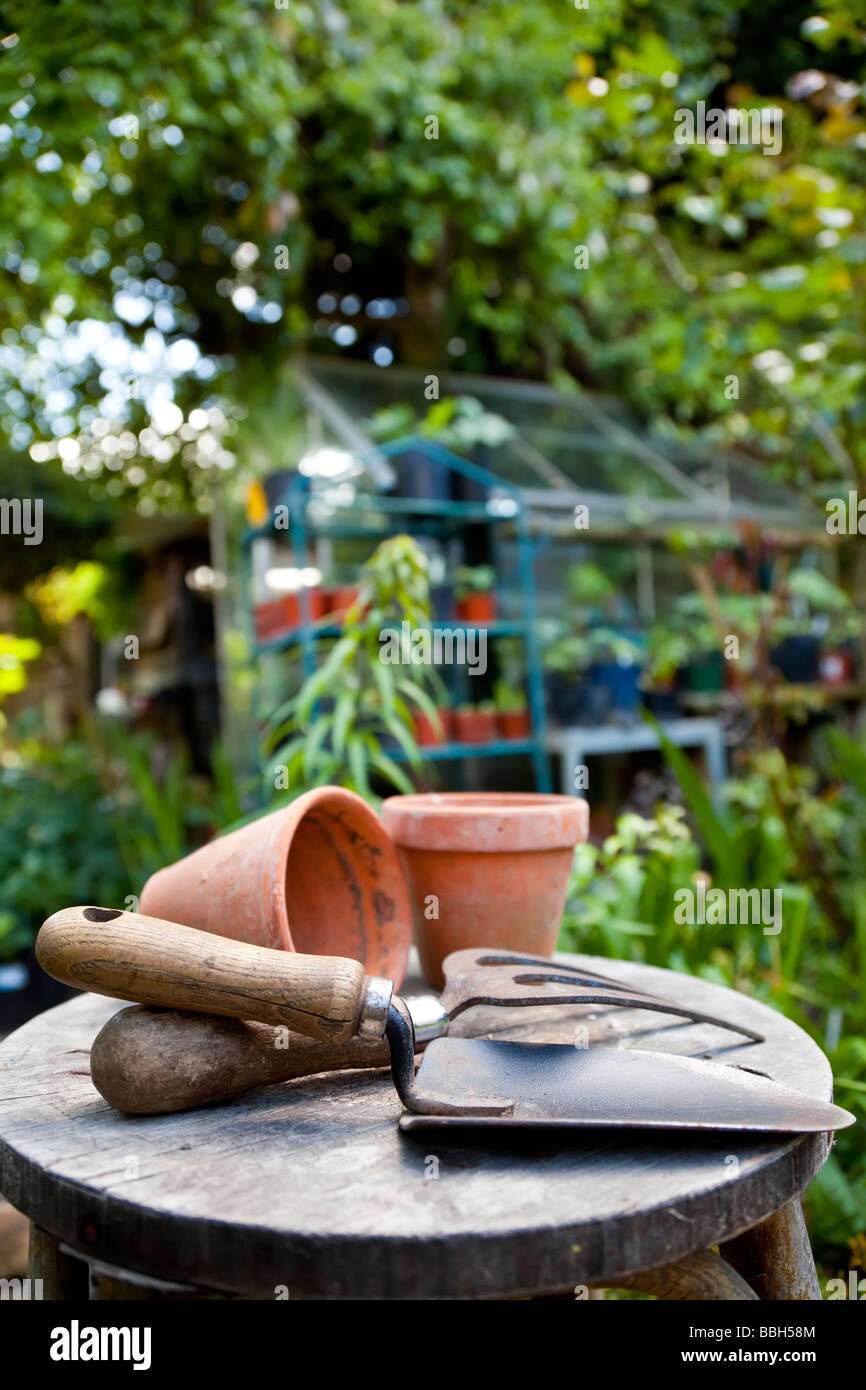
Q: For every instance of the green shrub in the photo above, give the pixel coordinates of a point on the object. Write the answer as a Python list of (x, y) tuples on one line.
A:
[(57, 840), (784, 826)]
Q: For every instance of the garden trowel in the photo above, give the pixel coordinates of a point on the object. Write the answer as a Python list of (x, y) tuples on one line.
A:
[(460, 1080)]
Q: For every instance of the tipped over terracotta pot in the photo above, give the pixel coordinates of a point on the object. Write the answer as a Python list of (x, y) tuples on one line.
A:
[(485, 869), (319, 876)]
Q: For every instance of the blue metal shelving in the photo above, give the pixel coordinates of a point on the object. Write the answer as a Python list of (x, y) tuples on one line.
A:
[(373, 515)]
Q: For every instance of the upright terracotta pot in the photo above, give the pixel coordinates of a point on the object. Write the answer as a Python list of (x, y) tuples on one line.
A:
[(319, 876), (487, 869), (477, 608)]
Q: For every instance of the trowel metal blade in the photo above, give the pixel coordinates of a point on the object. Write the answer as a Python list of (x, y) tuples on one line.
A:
[(553, 1084)]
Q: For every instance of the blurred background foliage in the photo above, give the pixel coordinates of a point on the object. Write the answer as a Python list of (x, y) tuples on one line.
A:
[(188, 187), (781, 826)]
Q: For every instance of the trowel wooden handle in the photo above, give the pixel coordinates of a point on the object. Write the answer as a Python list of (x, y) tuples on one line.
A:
[(148, 1061), (130, 956)]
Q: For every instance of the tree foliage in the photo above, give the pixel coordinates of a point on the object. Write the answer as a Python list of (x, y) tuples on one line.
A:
[(207, 174)]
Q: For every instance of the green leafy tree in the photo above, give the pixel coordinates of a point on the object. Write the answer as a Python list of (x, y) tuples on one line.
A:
[(511, 172)]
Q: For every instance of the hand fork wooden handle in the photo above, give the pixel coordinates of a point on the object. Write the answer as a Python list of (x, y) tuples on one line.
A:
[(129, 956)]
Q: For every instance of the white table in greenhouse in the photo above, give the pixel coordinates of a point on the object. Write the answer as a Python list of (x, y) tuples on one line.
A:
[(574, 744)]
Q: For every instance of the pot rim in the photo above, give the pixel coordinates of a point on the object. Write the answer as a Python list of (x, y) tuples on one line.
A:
[(486, 822)]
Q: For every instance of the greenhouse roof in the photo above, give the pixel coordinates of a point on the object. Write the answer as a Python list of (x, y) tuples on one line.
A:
[(564, 449)]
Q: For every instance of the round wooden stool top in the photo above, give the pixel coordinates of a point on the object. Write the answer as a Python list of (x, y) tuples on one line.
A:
[(309, 1187)]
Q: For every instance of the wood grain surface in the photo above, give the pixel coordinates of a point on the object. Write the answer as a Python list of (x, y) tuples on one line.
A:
[(127, 954), (310, 1187), (148, 1061)]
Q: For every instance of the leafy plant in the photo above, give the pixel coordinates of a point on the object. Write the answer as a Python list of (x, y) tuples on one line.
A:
[(475, 579), (790, 827), (687, 262), (483, 707), (508, 698), (775, 831), (698, 624), (821, 594), (567, 654), (335, 728), (161, 809), (625, 888), (86, 587), (15, 652), (667, 650), (824, 608), (57, 838), (459, 422), (607, 644), (573, 653), (588, 585)]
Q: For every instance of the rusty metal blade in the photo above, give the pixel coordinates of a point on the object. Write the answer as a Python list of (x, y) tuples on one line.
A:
[(552, 1084)]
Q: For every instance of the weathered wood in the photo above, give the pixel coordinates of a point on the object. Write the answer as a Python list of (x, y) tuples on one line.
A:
[(63, 1277), (776, 1257), (701, 1276), (125, 953), (309, 1188), (107, 1284), (149, 1061)]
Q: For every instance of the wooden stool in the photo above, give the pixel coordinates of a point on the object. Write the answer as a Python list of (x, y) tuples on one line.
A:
[(308, 1189)]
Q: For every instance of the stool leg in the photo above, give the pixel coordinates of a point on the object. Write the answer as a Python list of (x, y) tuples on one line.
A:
[(775, 1257), (62, 1277), (702, 1276), (119, 1285)]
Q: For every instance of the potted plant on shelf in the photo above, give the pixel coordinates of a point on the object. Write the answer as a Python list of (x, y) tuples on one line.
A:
[(419, 475), (701, 625), (458, 423), (590, 591), (463, 425), (512, 712), (838, 662), (434, 729), (334, 730), (565, 658), (475, 723), (476, 601), (592, 663), (667, 649), (700, 663), (615, 668), (279, 616), (817, 606), (337, 599)]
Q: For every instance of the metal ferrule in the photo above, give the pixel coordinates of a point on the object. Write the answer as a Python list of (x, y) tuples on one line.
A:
[(377, 1002), (429, 1019)]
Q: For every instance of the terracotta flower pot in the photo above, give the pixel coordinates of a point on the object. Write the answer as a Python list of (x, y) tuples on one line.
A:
[(514, 723), (281, 615), (339, 598), (273, 618), (477, 608), (487, 869), (474, 726), (319, 876), (317, 604), (427, 734)]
